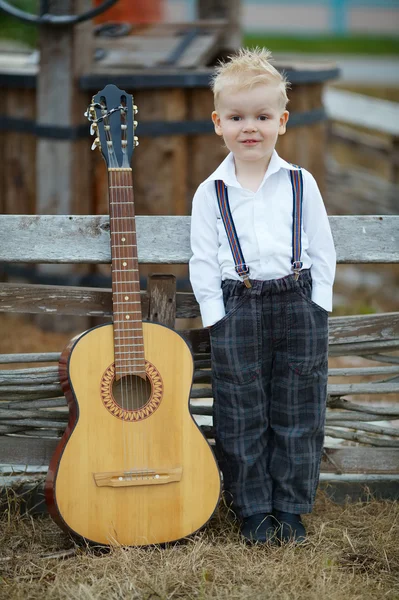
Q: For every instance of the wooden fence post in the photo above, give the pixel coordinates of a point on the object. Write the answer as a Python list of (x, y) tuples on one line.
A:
[(63, 165), (162, 299), (224, 9)]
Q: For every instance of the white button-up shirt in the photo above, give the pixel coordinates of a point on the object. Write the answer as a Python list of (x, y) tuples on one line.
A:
[(263, 221)]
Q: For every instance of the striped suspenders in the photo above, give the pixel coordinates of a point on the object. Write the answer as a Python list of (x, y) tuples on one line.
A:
[(297, 197)]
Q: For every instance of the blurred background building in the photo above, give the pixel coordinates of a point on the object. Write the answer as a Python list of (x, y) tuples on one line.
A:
[(333, 17)]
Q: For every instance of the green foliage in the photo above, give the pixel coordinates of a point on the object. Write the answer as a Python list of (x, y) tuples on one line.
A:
[(14, 29), (354, 44)]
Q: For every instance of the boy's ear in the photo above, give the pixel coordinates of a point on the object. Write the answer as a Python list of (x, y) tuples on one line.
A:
[(283, 122), (216, 122)]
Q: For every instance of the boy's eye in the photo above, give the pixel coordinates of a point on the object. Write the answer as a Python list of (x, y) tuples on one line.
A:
[(235, 118), (262, 118)]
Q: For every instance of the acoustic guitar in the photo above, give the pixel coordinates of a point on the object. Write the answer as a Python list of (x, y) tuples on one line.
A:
[(132, 467)]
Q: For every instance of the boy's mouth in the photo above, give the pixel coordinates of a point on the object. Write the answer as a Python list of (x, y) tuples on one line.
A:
[(250, 142)]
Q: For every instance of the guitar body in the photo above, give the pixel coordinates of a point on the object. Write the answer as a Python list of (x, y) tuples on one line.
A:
[(123, 475)]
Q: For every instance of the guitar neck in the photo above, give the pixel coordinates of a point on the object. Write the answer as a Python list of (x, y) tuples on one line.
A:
[(128, 328)]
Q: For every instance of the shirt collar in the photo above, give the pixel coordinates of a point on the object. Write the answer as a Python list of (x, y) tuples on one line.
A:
[(227, 173)]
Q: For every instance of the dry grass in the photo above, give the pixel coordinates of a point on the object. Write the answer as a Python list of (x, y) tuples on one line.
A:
[(352, 554)]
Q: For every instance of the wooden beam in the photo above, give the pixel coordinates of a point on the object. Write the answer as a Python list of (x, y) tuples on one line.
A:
[(63, 176), (81, 301), (162, 299), (166, 239), (35, 451), (230, 10)]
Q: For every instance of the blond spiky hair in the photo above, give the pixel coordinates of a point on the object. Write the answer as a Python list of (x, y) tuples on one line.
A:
[(246, 68)]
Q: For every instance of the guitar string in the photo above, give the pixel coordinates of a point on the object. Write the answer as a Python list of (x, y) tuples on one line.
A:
[(114, 260), (127, 379), (142, 381), (139, 382), (122, 326), (136, 382), (129, 341), (130, 377)]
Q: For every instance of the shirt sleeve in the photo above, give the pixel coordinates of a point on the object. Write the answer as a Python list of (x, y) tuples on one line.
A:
[(321, 244), (205, 275)]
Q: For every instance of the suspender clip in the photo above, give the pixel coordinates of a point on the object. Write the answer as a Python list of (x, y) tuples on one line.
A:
[(296, 267), (246, 281)]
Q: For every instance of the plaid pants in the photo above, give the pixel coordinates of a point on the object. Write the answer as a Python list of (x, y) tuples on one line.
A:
[(269, 378)]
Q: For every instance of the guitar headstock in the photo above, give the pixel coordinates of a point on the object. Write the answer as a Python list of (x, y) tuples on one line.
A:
[(111, 115)]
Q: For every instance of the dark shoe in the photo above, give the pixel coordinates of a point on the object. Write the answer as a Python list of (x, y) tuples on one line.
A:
[(259, 528), (289, 527)]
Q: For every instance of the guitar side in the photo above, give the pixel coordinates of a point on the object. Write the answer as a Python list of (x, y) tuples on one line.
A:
[(131, 476)]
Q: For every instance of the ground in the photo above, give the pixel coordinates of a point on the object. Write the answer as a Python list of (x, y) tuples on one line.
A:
[(352, 554)]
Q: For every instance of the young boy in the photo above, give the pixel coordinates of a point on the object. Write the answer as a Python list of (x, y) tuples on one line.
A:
[(262, 271)]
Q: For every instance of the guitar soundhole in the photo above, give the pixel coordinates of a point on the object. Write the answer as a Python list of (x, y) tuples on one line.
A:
[(131, 392)]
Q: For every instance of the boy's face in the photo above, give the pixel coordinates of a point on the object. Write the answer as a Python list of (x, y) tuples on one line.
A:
[(250, 121)]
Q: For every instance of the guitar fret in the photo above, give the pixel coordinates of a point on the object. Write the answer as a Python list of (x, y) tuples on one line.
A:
[(126, 320), (131, 352), (133, 301), (124, 270), (115, 187), (126, 338), (130, 359), (124, 218), (125, 246), (126, 302)]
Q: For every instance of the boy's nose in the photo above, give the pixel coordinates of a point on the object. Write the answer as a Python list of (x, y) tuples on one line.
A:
[(249, 126)]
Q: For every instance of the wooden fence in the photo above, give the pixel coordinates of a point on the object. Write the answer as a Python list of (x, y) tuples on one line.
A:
[(33, 411)]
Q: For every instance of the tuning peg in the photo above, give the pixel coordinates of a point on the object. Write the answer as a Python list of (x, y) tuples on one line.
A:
[(135, 109), (90, 112), (135, 123), (93, 128), (96, 144), (135, 141)]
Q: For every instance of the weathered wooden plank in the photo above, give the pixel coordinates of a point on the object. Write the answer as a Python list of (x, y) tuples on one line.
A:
[(41, 391), (348, 405), (362, 438), (38, 375), (162, 299), (224, 9), (361, 460), (364, 348), (26, 451), (33, 357), (203, 375), (33, 299), (57, 299), (368, 427), (364, 111), (7, 414), (37, 452), (44, 403), (165, 239), (332, 389), (363, 328), (357, 335), (332, 415)]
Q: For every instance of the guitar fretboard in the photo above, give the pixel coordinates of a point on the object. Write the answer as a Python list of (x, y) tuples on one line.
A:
[(128, 329)]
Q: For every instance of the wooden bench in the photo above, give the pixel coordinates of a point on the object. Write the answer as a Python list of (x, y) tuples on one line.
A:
[(33, 411)]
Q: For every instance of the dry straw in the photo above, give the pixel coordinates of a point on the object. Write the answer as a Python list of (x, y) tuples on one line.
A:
[(352, 554)]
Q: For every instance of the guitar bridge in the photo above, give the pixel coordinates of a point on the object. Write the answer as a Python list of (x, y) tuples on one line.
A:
[(137, 477)]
